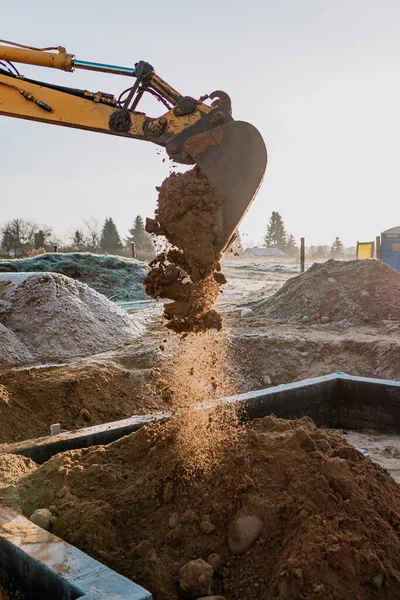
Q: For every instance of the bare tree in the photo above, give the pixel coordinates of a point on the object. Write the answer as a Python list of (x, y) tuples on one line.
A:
[(92, 233), (18, 236)]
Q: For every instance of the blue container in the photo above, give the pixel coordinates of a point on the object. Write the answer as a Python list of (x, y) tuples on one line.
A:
[(390, 247)]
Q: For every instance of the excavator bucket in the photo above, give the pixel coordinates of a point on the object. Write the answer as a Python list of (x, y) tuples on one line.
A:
[(234, 159)]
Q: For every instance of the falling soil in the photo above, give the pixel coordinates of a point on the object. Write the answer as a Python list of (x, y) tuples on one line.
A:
[(357, 292), (288, 512), (192, 373), (188, 214)]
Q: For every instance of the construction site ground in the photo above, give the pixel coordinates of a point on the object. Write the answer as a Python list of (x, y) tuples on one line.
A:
[(112, 385), (153, 505)]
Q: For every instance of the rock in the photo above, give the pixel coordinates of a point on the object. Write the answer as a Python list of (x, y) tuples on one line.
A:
[(331, 280), (85, 414), (41, 517), (173, 520), (266, 380), (143, 549), (188, 517), (364, 293), (195, 577), (215, 561), (306, 319), (243, 532), (377, 581), (53, 521), (246, 313), (53, 509), (207, 527), (324, 320), (336, 468), (174, 538), (347, 453)]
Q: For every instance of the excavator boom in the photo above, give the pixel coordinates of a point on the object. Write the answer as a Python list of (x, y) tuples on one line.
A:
[(231, 153)]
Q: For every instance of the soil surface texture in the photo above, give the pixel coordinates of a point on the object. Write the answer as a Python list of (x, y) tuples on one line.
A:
[(188, 215), (75, 395), (50, 316), (288, 512), (356, 292)]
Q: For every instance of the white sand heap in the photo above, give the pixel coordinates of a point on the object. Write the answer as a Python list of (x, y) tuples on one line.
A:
[(50, 316)]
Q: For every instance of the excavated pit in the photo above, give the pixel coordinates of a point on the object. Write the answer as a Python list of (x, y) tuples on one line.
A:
[(188, 272)]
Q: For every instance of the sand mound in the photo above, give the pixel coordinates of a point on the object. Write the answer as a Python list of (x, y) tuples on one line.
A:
[(288, 512), (358, 292), (55, 317), (188, 215), (12, 350), (116, 277)]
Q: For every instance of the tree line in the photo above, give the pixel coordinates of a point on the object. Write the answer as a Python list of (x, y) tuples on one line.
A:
[(20, 237), (278, 237)]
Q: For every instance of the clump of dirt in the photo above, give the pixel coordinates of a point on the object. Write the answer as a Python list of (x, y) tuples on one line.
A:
[(189, 215), (74, 395), (357, 291), (289, 511), (54, 317)]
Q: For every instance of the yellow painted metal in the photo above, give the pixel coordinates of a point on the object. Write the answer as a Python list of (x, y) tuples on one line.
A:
[(365, 250), (72, 111), (57, 60)]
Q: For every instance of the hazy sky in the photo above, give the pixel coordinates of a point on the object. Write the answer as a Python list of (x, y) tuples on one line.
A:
[(319, 78)]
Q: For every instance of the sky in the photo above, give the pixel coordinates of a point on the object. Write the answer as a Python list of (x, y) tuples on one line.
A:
[(320, 79)]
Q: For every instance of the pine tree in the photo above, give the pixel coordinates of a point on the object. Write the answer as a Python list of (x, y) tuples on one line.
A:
[(110, 240), (78, 241), (291, 246), (139, 236), (337, 248), (276, 233)]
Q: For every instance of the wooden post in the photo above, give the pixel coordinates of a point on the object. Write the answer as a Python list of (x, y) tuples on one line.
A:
[(378, 247), (358, 245), (55, 248), (133, 250), (302, 255)]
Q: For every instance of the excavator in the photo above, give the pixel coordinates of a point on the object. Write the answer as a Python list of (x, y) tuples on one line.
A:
[(231, 153)]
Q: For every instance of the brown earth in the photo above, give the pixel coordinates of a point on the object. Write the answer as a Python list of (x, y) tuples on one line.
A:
[(76, 395), (356, 292), (188, 215), (288, 512)]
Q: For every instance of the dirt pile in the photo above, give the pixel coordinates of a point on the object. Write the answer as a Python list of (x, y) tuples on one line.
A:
[(49, 316), (12, 350), (356, 292), (288, 512), (188, 215), (74, 395), (116, 277)]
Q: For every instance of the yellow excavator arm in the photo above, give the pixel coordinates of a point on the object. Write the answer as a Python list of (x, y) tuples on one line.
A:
[(231, 153)]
